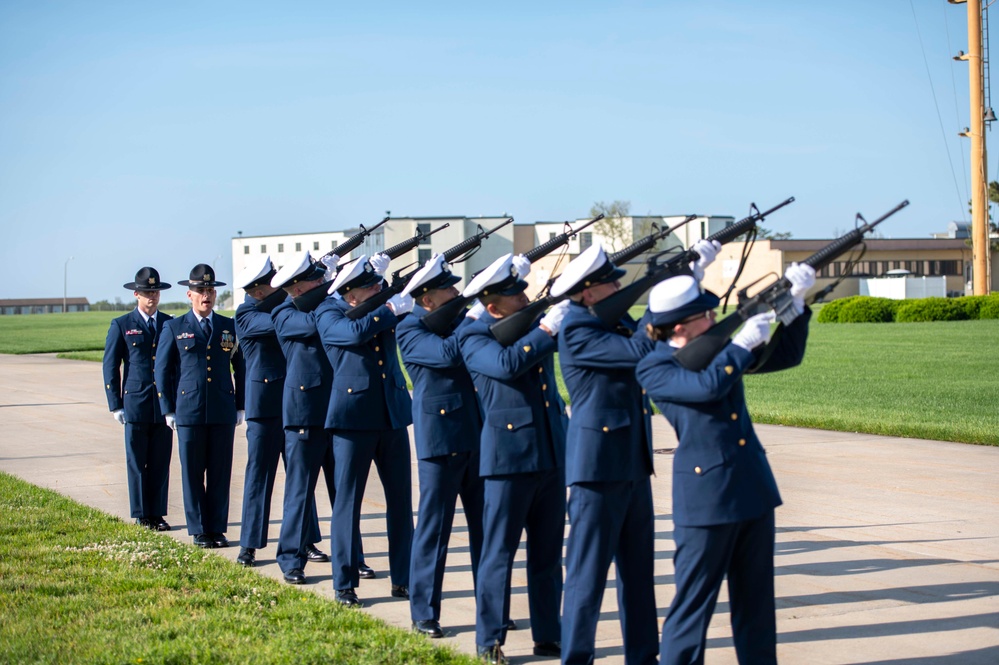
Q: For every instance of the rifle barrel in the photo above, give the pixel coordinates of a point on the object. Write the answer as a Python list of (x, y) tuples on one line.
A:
[(354, 241)]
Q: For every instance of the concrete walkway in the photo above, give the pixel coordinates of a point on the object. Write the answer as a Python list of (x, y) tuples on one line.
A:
[(887, 549)]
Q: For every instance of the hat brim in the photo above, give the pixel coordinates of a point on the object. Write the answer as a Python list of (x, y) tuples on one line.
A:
[(198, 284), (701, 303), (362, 281), (132, 286), (516, 288), (443, 281)]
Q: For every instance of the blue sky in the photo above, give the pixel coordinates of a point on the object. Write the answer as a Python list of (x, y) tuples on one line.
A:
[(150, 133)]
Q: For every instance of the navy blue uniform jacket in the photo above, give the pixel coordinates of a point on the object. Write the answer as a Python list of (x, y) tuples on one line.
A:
[(309, 377), (200, 370), (610, 432), (263, 358), (517, 388), (446, 417), (133, 390), (720, 470), (369, 389)]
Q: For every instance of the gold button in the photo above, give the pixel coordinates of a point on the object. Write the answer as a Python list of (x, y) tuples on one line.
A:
[(208, 357), (697, 469), (209, 379), (133, 343), (742, 442), (392, 330), (541, 370), (186, 348), (159, 394), (547, 404), (645, 411), (377, 348), (735, 416), (183, 392), (381, 362), (376, 319), (209, 347), (154, 357), (643, 391), (126, 392), (209, 369), (154, 345), (606, 429), (301, 387), (729, 369), (301, 431), (442, 412), (527, 349), (109, 386), (509, 426), (383, 376), (454, 454), (350, 390), (544, 386), (265, 380), (476, 389)]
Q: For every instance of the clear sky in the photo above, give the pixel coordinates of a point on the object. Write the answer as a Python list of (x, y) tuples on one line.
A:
[(140, 133)]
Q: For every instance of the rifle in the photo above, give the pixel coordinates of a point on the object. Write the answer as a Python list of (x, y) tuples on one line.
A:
[(353, 242), (612, 308), (268, 304), (439, 321), (511, 328), (398, 281), (699, 352)]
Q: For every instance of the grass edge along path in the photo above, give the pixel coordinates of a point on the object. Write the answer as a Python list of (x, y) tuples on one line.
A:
[(78, 585)]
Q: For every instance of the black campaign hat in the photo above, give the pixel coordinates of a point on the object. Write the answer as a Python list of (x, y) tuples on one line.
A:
[(147, 279), (202, 276)]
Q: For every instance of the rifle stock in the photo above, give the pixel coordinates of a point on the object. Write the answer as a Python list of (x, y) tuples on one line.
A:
[(268, 304), (511, 328), (309, 300), (699, 352)]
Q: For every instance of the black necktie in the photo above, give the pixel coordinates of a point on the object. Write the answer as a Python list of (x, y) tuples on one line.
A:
[(152, 326), (206, 327)]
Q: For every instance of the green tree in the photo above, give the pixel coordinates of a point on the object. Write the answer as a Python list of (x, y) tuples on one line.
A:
[(616, 224)]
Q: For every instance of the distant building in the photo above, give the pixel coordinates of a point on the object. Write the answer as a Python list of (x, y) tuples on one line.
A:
[(10, 307)]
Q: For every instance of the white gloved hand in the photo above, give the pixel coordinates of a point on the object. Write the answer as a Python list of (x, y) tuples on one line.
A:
[(400, 304), (755, 331), (119, 415), (522, 265), (171, 421), (240, 417), (330, 261), (553, 319), (476, 310), (380, 262), (802, 278), (707, 250)]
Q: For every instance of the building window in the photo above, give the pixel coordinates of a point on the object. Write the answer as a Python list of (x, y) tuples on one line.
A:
[(263, 249), (315, 245), (585, 240), (298, 247), (246, 249), (280, 248), (704, 229), (423, 255), (423, 228), (551, 236)]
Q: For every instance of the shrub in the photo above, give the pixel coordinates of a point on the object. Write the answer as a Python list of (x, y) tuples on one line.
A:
[(830, 311), (866, 309), (989, 308), (931, 309), (972, 304)]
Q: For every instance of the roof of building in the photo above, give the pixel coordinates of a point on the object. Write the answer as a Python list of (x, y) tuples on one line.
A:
[(881, 244), (29, 302)]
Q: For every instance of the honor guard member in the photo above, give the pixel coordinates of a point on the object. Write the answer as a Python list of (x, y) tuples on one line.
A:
[(724, 492), (265, 373), (522, 459), (200, 402), (369, 411), (447, 425), (131, 393)]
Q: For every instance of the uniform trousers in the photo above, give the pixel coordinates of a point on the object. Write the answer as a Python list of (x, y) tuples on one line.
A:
[(744, 551), (306, 451), (610, 521), (147, 460), (513, 503), (442, 480), (265, 447), (353, 452), (206, 469)]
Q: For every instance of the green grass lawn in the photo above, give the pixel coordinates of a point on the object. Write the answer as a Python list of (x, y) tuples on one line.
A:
[(79, 586)]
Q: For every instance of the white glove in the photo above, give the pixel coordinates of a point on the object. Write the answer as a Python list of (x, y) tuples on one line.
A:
[(476, 310), (171, 421), (802, 278), (380, 262), (330, 261), (522, 265), (119, 415), (553, 319), (240, 417), (707, 251), (755, 331), (400, 304)]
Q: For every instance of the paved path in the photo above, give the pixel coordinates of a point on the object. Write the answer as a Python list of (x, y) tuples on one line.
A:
[(887, 549)]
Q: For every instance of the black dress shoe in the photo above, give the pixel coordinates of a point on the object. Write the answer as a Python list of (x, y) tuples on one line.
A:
[(400, 591), (428, 627), (347, 598), (220, 540), (492, 655), (314, 554), (511, 624), (247, 556), (364, 572), (158, 524), (295, 576), (204, 541), (548, 649)]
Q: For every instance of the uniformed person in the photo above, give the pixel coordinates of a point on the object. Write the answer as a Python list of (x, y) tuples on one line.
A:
[(369, 411), (608, 463), (131, 392), (522, 461), (447, 425), (195, 362), (724, 492), (265, 440)]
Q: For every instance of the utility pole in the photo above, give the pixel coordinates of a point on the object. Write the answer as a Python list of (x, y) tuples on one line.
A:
[(980, 250)]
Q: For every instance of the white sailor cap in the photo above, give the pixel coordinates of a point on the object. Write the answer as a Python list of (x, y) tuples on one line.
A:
[(589, 268), (435, 274), (258, 271), (301, 268), (356, 275), (499, 278), (676, 298)]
